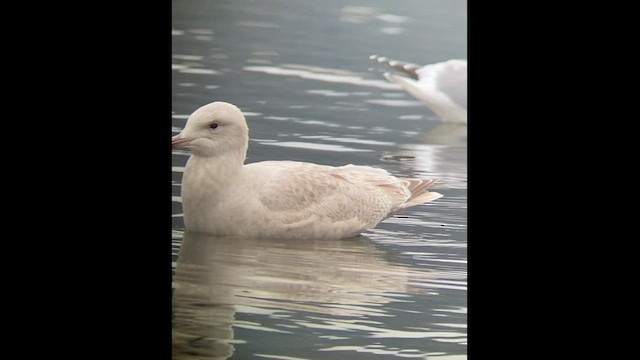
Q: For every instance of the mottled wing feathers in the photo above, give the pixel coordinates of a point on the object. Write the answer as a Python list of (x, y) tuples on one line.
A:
[(299, 191), (296, 193)]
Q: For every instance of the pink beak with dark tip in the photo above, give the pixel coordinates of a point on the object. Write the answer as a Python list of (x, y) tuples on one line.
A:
[(178, 142)]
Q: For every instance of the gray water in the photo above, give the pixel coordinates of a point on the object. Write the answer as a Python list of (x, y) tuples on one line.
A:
[(300, 70)]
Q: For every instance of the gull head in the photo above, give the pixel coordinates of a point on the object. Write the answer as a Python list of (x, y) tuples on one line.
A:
[(214, 129)]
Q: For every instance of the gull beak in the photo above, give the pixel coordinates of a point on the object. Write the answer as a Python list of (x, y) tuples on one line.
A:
[(178, 142)]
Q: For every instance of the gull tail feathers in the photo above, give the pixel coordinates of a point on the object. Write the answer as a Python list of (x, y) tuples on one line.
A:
[(406, 67), (419, 192)]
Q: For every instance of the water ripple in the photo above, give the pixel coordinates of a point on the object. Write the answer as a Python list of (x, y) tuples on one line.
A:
[(312, 73), (314, 146)]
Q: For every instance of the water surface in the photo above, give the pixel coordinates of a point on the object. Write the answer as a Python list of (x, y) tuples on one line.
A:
[(300, 70)]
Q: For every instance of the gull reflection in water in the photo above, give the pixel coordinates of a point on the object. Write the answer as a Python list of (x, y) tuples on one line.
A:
[(217, 277), (440, 152)]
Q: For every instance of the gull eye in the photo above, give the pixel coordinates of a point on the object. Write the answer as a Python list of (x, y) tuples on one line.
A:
[(213, 125)]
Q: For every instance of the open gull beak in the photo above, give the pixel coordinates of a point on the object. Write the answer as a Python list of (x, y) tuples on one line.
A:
[(178, 142)]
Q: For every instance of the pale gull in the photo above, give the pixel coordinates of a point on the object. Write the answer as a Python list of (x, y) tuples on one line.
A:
[(441, 86), (223, 196)]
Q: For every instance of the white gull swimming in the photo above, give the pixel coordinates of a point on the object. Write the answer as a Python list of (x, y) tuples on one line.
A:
[(441, 86), (223, 196)]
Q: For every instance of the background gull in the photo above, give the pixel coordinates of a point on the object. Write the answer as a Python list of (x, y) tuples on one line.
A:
[(441, 86)]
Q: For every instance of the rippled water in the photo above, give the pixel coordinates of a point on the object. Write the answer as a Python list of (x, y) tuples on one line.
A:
[(301, 72)]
